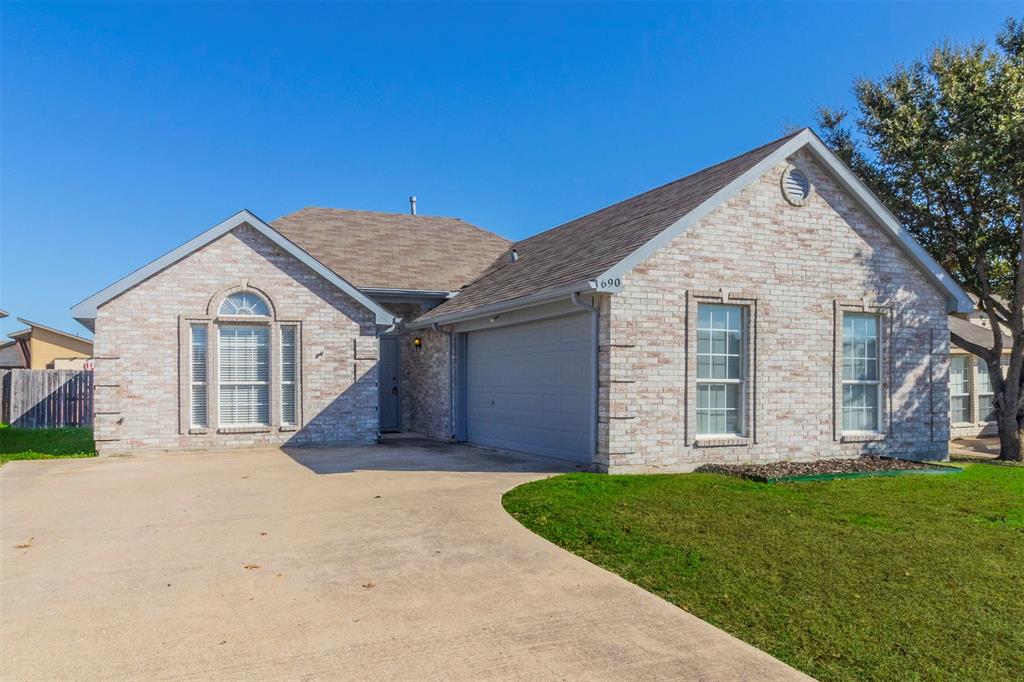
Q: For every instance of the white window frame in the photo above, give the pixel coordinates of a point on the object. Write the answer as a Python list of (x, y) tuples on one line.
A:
[(877, 382), (193, 383), (739, 382), (968, 367), (221, 383)]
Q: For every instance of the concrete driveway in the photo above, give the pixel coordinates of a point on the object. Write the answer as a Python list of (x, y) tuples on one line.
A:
[(390, 561)]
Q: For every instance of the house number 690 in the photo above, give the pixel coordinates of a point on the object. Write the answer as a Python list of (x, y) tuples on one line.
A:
[(609, 283)]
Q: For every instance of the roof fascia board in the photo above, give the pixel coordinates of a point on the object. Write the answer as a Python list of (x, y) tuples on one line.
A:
[(86, 310), (505, 306), (957, 300)]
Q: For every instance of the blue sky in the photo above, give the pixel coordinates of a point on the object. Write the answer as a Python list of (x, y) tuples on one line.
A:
[(129, 128)]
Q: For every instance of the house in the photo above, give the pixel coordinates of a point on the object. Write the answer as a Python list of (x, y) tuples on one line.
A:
[(768, 307), (43, 347), (970, 389), (11, 356)]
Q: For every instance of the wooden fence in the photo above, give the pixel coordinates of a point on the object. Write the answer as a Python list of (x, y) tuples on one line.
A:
[(46, 398)]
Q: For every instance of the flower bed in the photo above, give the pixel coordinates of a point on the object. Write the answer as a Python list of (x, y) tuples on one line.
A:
[(825, 469)]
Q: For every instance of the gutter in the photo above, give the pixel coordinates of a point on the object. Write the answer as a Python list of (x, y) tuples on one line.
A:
[(595, 387), (505, 306)]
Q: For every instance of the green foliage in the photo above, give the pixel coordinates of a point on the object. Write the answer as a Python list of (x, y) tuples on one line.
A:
[(881, 578), (942, 143), (45, 443)]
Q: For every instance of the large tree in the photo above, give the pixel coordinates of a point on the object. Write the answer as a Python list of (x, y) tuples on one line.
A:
[(942, 143)]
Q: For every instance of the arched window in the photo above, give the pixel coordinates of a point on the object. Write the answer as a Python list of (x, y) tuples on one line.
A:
[(244, 303)]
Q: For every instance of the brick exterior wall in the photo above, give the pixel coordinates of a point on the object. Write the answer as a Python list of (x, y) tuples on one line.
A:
[(794, 269), (141, 349), (426, 377)]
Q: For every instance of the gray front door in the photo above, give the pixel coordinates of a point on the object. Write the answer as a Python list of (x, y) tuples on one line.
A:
[(387, 384), (528, 387)]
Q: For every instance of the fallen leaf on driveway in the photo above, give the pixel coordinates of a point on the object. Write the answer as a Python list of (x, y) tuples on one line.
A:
[(370, 585), (263, 533), (249, 567), (25, 545)]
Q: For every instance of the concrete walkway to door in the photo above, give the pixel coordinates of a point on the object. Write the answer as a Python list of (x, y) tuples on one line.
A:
[(394, 561)]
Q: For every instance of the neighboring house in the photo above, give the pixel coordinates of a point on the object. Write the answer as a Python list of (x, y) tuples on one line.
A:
[(970, 389), (765, 308), (43, 347), (11, 356)]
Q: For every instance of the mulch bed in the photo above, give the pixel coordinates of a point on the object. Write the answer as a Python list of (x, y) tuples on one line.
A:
[(824, 467)]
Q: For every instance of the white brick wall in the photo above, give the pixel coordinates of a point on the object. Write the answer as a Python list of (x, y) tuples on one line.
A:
[(138, 403), (795, 266)]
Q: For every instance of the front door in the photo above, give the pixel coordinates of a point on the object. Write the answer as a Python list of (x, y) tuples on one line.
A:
[(387, 385)]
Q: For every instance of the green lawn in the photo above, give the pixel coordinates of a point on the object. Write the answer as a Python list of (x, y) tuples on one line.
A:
[(917, 577), (45, 443)]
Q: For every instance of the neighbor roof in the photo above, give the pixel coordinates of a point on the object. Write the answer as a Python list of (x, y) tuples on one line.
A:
[(393, 250), (595, 251), (32, 324), (975, 333)]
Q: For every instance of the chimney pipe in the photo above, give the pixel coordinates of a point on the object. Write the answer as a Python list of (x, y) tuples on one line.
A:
[(412, 205)]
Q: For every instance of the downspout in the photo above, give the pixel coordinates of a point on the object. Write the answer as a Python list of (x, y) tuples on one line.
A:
[(451, 378), (595, 385)]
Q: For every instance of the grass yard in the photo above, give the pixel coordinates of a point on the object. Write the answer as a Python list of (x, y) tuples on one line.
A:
[(45, 443), (917, 577)]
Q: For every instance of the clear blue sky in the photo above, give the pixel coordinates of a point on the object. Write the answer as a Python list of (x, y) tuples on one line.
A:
[(127, 129)]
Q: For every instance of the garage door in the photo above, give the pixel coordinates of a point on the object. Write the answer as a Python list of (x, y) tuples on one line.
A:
[(528, 387)]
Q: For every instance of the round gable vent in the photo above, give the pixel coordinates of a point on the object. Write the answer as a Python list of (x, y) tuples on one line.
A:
[(796, 187)]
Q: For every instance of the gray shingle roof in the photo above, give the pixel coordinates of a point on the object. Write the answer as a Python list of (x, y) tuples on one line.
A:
[(393, 250), (585, 248), (975, 333)]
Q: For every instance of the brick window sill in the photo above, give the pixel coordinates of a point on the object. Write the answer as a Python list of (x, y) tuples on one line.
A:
[(862, 437), (198, 431), (243, 429), (288, 428), (721, 442)]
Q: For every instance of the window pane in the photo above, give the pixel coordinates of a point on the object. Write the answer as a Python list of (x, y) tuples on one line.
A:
[(244, 368), (959, 409), (986, 405), (958, 384), (860, 407), (244, 303), (198, 372), (718, 409), (719, 342), (981, 378), (288, 376)]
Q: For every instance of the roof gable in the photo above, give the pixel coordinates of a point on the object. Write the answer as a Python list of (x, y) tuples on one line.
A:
[(394, 250), (596, 251), (85, 312)]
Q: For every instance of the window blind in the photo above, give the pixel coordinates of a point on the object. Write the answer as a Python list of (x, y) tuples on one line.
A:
[(244, 365), (197, 377), (289, 387)]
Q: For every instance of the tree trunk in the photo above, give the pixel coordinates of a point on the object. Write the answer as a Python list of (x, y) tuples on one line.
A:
[(1009, 436)]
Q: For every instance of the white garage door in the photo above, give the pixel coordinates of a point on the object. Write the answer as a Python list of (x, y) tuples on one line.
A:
[(528, 387)]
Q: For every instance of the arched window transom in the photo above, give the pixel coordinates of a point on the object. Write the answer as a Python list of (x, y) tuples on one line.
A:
[(244, 303)]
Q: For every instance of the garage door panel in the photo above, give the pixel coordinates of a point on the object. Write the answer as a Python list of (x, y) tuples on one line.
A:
[(529, 387)]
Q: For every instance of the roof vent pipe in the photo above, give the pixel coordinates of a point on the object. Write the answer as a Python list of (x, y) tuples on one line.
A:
[(412, 205), (513, 255)]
